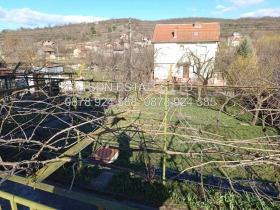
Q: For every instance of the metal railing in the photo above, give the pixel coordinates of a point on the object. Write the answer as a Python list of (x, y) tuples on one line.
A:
[(94, 200), (14, 200)]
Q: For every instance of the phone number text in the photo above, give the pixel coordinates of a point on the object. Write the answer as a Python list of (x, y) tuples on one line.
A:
[(131, 101)]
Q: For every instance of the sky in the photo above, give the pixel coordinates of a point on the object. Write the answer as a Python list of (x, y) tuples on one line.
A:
[(35, 13)]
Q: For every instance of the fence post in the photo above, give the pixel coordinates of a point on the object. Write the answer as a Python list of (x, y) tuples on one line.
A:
[(13, 203), (166, 104)]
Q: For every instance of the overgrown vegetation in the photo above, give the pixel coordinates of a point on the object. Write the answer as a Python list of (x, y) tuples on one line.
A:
[(76, 33), (228, 132), (185, 194)]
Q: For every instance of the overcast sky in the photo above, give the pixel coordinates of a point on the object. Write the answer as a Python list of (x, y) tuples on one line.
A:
[(36, 13)]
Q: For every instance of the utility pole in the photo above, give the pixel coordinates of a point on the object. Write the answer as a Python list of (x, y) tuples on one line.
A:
[(57, 55), (130, 51)]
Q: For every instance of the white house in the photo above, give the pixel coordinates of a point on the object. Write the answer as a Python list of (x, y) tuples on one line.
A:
[(235, 39), (174, 42)]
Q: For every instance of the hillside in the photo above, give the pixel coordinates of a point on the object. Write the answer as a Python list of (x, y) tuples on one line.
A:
[(109, 30)]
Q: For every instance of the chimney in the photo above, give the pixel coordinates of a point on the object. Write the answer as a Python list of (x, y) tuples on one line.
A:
[(197, 24), (175, 33)]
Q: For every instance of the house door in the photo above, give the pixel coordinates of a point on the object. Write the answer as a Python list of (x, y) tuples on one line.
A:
[(186, 72)]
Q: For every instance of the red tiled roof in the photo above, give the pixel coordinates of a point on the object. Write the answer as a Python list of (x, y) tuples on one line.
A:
[(82, 48), (90, 44), (70, 45), (48, 49), (52, 64), (197, 32)]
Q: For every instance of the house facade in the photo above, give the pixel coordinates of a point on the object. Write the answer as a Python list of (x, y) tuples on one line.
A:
[(174, 43), (80, 51), (47, 52), (235, 39)]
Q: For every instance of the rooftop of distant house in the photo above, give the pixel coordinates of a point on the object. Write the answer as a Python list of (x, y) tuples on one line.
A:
[(194, 32), (48, 49)]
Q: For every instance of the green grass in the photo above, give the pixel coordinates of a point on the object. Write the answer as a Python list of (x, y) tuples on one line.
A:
[(186, 123), (83, 175), (184, 194), (189, 120)]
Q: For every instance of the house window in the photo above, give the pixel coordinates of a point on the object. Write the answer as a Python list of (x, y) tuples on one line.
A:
[(195, 33), (181, 47)]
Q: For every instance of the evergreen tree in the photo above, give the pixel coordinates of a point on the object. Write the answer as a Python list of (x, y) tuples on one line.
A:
[(246, 48), (92, 29)]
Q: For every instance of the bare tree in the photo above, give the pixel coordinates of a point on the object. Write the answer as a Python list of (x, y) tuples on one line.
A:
[(248, 72), (112, 64), (142, 64), (252, 68), (43, 128), (225, 57), (203, 68), (22, 49)]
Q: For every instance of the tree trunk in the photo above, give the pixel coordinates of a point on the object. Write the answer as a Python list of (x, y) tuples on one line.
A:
[(198, 93), (264, 116), (256, 114), (204, 89)]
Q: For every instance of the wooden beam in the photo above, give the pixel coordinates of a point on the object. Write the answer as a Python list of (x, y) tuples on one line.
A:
[(50, 168)]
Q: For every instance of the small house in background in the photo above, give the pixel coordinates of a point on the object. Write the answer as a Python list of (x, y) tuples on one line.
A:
[(234, 40), (118, 49), (124, 37), (146, 40), (115, 48), (174, 42), (70, 46), (92, 46), (80, 51), (47, 53)]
